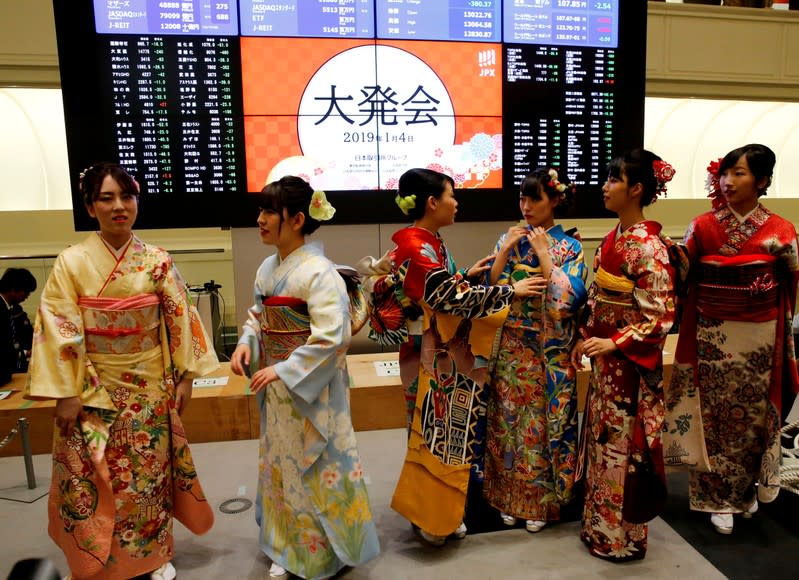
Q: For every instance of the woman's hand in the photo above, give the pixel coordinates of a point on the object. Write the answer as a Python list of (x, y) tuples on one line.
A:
[(67, 412), (530, 286), (539, 241), (576, 355), (262, 378), (479, 267), (183, 394), (595, 346), (240, 360), (515, 233)]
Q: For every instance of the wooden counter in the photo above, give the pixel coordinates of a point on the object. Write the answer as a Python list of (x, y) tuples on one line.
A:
[(223, 413), (230, 412)]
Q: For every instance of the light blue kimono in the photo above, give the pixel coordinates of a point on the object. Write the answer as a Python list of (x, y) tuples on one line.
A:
[(312, 505)]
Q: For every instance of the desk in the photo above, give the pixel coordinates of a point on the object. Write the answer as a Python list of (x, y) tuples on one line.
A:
[(230, 412), (374, 414), (225, 413)]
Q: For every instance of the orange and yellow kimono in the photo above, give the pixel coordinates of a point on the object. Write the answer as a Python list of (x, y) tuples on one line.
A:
[(117, 329), (459, 327)]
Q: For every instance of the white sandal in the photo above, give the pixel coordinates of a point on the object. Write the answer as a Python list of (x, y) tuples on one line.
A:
[(165, 572), (460, 532), (751, 510), (507, 519), (277, 571), (534, 526), (722, 523), (432, 539)]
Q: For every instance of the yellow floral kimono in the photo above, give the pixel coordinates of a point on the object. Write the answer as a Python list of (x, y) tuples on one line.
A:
[(117, 329)]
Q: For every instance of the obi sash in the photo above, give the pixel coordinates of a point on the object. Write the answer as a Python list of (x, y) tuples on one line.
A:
[(285, 324), (121, 325), (613, 289), (741, 288)]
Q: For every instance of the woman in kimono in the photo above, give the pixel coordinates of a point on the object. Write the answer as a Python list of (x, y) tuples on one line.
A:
[(312, 505), (451, 331), (116, 343), (735, 356), (531, 438), (630, 310)]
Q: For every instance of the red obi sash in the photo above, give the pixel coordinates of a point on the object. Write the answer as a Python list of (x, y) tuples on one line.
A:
[(742, 288)]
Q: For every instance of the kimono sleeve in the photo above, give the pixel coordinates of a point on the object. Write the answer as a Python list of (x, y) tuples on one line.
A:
[(650, 269), (428, 279), (788, 255), (504, 277), (691, 242), (58, 360), (189, 346), (312, 366), (566, 292)]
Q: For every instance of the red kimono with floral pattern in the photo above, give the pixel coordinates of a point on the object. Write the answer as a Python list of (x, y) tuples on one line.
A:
[(631, 301), (735, 358)]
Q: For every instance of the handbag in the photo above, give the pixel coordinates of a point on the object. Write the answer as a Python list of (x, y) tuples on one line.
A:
[(644, 484), (645, 490)]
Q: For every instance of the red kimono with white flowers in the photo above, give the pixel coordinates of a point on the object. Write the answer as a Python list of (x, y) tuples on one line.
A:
[(736, 356), (631, 301)]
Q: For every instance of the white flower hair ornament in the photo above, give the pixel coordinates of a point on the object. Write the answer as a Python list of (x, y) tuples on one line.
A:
[(554, 183), (320, 209)]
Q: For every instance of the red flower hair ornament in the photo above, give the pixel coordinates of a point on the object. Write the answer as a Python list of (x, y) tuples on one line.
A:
[(713, 184), (664, 173)]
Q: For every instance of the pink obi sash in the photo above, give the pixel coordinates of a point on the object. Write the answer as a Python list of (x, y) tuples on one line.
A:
[(742, 288), (117, 325), (286, 325)]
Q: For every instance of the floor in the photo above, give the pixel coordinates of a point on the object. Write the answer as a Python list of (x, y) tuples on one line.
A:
[(230, 550)]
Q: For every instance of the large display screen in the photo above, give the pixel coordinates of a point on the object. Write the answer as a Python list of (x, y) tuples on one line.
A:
[(205, 101)]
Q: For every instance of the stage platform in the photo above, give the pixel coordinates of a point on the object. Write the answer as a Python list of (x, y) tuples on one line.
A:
[(230, 412)]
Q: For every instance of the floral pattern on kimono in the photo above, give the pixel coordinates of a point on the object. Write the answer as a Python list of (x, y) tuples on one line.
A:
[(117, 330), (631, 301), (742, 367), (312, 506), (531, 439)]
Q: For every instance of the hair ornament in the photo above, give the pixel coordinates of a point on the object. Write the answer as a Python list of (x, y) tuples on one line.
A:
[(320, 209), (713, 184), (664, 172), (557, 185), (406, 203), (82, 175)]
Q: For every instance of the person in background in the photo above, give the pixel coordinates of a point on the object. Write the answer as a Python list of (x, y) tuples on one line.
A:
[(16, 332), (631, 307), (312, 505), (450, 324), (116, 343), (531, 439), (735, 358)]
